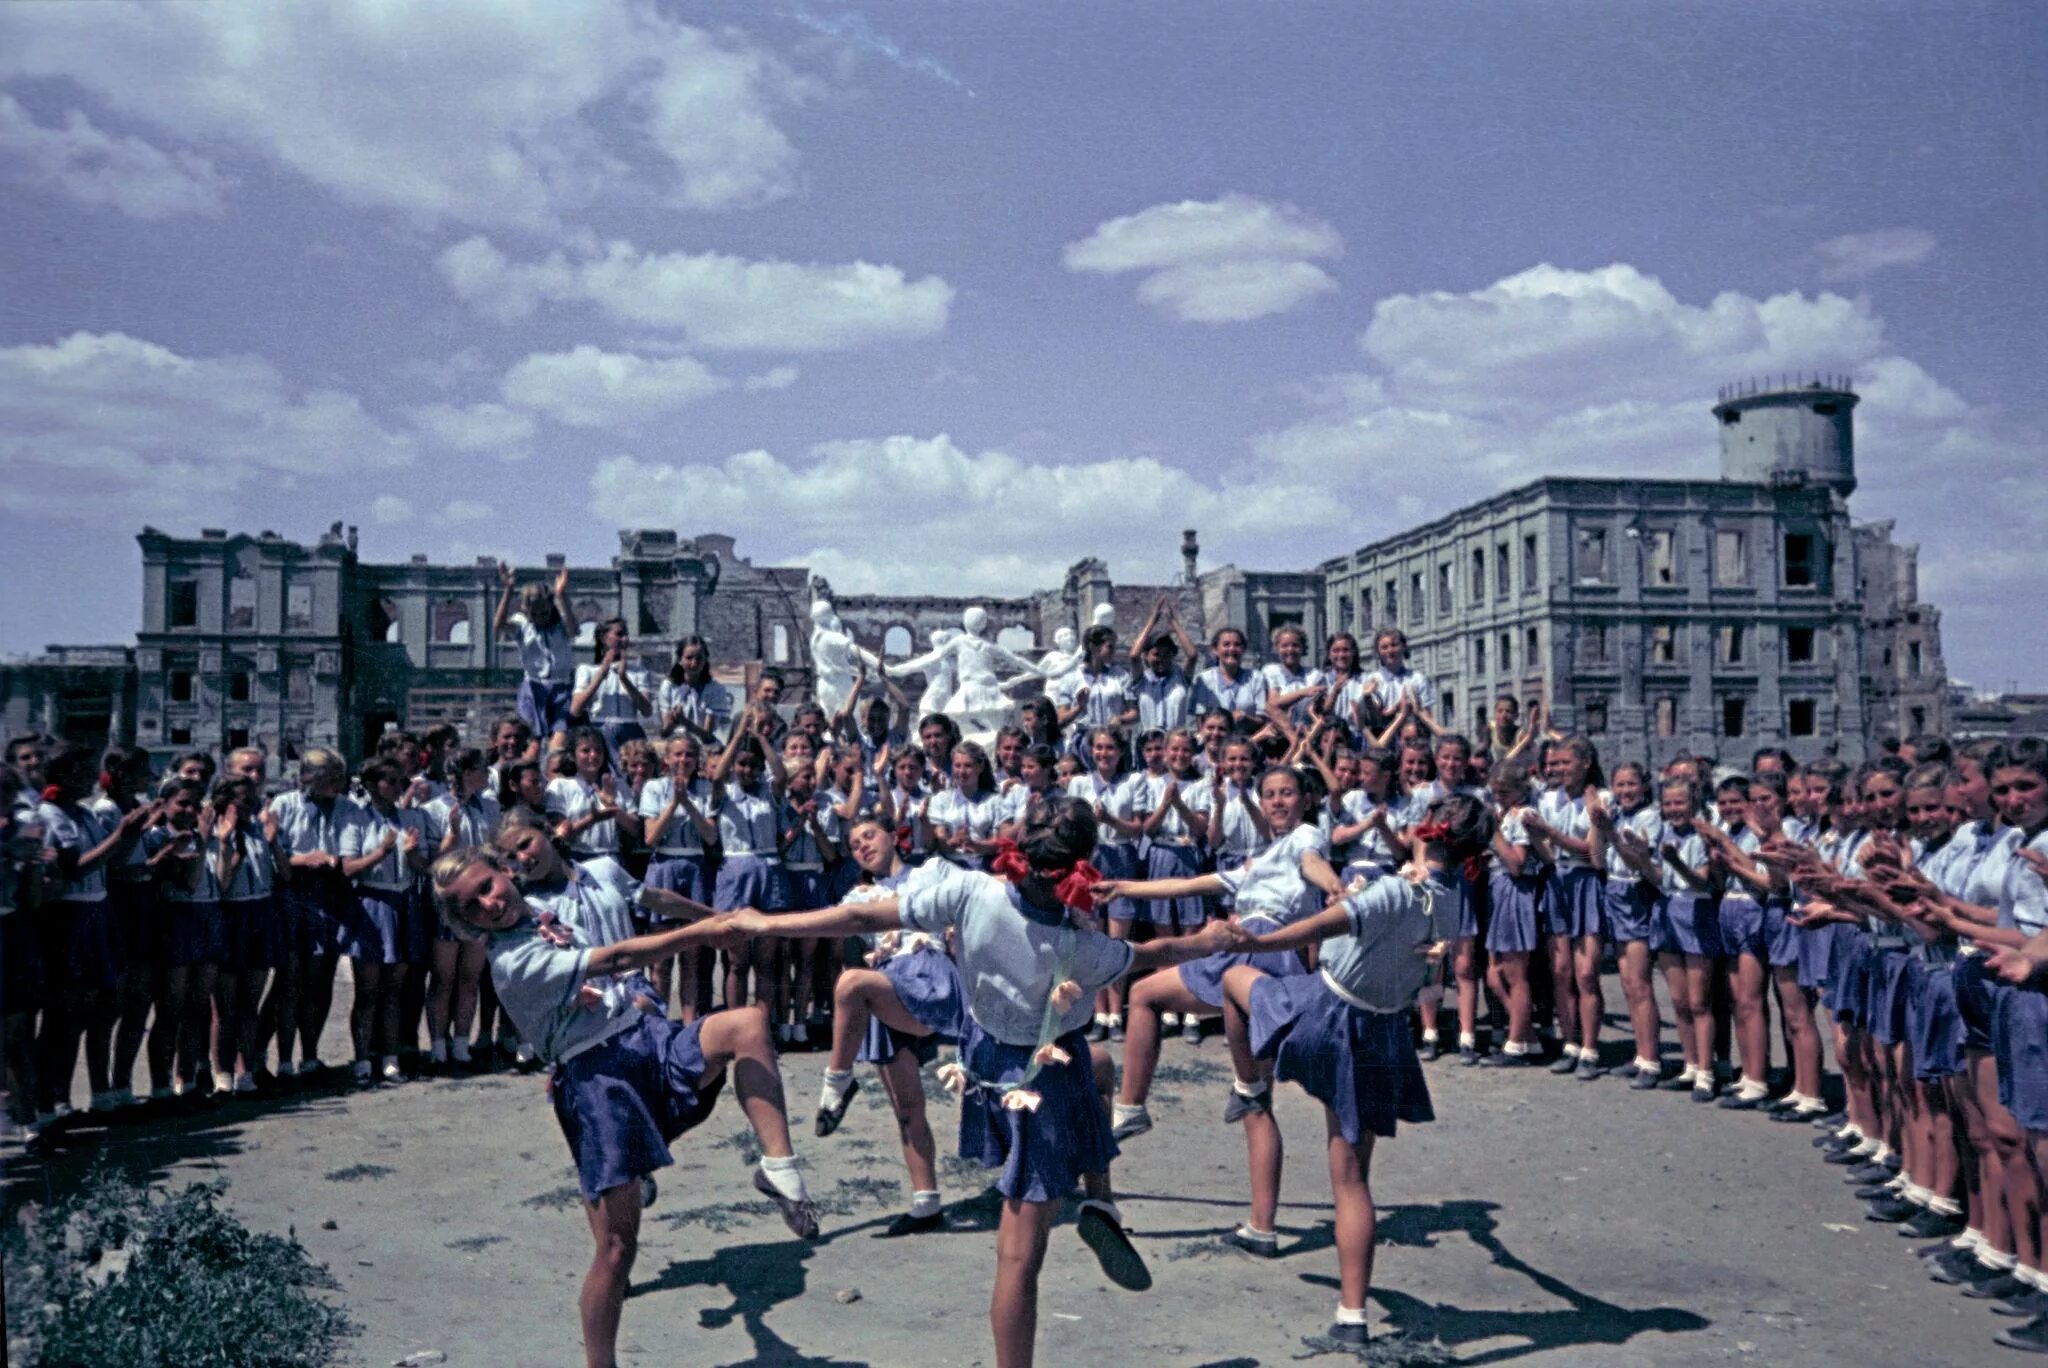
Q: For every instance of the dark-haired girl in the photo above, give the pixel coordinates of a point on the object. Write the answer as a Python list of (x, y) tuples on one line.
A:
[(1573, 902), (1033, 1104), (381, 851), (609, 694), (688, 701), (1342, 1034), (1286, 880), (81, 945), (894, 1013), (243, 849), (1113, 798), (749, 874), (1229, 687), (963, 818), (682, 837), (1519, 882), (1631, 907), (194, 938)]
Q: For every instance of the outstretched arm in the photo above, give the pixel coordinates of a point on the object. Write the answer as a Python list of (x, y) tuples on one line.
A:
[(644, 952), (1331, 921), (847, 919)]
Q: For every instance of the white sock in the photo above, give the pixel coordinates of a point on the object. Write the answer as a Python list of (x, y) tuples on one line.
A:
[(1944, 1206), (1429, 1037), (833, 1092), (1349, 1315), (1971, 1239), (1571, 1051), (783, 1176), (1850, 1131), (1884, 1152), (924, 1203), (1256, 1088), (1648, 1065), (1116, 1018), (2032, 1277), (1250, 1232), (1514, 1047), (1102, 1019), (1751, 1088), (1126, 1110), (1869, 1149), (1690, 1074), (1991, 1258), (1467, 1040), (1169, 1020)]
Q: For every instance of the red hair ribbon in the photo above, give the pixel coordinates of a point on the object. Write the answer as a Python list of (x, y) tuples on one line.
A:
[(1074, 885), (52, 793), (1438, 833), (904, 836), (106, 783)]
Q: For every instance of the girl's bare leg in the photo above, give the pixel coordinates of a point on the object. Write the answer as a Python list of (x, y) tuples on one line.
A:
[(615, 1224), (1013, 1302), (1357, 1226)]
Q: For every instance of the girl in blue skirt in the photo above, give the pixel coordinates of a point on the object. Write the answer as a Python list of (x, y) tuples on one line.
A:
[(381, 850), (1519, 884), (1740, 917), (1690, 891), (625, 1082), (894, 1014), (682, 840), (1113, 797), (243, 848), (1342, 1032), (1284, 882), (1573, 902), (195, 935), (1172, 826), (1631, 908), (749, 872), (1033, 1105)]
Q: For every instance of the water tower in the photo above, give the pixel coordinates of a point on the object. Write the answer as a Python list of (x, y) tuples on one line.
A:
[(1795, 432)]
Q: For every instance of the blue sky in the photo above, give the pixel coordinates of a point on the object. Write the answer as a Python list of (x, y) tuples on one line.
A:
[(950, 294)]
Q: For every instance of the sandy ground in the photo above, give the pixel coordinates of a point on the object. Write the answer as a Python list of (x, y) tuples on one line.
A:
[(1539, 1219)]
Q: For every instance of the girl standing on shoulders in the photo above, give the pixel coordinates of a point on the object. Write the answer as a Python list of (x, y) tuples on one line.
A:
[(546, 626)]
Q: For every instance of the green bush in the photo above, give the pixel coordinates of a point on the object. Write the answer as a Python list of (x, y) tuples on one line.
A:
[(117, 1276)]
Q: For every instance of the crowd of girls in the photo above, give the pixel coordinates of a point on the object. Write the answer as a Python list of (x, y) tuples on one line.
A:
[(1303, 857)]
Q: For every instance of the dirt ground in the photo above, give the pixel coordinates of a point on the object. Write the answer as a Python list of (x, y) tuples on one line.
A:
[(1539, 1220)]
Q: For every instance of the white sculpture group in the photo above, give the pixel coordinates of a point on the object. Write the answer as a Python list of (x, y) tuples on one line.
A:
[(962, 670)]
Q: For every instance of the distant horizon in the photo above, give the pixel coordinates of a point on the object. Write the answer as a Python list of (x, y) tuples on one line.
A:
[(947, 297)]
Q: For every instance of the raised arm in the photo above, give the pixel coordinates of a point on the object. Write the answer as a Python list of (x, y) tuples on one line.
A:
[(507, 580), (567, 614)]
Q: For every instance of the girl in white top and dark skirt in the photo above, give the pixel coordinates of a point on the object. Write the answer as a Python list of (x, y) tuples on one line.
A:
[(1342, 1034)]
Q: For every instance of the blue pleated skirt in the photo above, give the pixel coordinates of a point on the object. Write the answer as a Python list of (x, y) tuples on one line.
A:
[(84, 937), (1781, 938), (1572, 903), (1630, 906), (1893, 975), (256, 934), (1816, 950), (1173, 862), (1204, 977), (927, 983), (621, 1103), (2019, 1040), (1740, 918), (1517, 912), (1977, 994), (687, 875), (804, 890), (311, 901), (1359, 1064), (1694, 927), (1848, 991), (1040, 1155), (198, 933), (375, 928), (1121, 862), (749, 881), (1934, 1025)]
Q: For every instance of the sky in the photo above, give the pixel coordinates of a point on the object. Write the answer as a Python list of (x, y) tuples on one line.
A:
[(944, 296)]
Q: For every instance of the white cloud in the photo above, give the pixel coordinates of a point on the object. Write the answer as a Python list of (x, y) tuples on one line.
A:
[(1853, 256), (1233, 228), (85, 163), (1234, 291), (718, 302), (113, 426), (489, 428), (774, 378), (1228, 260), (521, 118), (466, 511), (1605, 372), (388, 510), (983, 520), (592, 388)]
